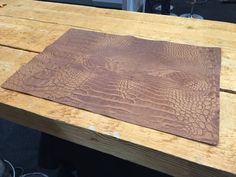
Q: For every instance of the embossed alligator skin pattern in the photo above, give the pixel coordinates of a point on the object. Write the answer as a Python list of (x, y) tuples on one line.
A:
[(165, 86)]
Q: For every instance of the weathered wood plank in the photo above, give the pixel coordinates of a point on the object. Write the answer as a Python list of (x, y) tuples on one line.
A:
[(35, 36), (164, 152), (149, 26), (32, 25)]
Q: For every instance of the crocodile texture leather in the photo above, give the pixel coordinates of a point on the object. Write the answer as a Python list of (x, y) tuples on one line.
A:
[(165, 86)]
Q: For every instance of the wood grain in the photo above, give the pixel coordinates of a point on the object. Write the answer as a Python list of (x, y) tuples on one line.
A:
[(164, 152), (48, 21), (30, 25), (160, 85)]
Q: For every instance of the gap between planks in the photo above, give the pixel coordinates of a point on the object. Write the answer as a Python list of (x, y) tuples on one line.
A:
[(75, 26), (33, 51)]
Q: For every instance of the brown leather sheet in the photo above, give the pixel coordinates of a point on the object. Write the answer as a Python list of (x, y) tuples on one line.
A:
[(165, 86)]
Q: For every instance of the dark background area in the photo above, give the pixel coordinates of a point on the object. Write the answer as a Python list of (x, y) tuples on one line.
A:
[(211, 10), (19, 144)]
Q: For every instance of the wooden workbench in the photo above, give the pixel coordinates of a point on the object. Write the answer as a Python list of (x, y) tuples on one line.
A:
[(27, 27)]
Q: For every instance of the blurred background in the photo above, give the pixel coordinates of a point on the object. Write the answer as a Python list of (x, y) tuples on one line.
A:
[(220, 10)]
